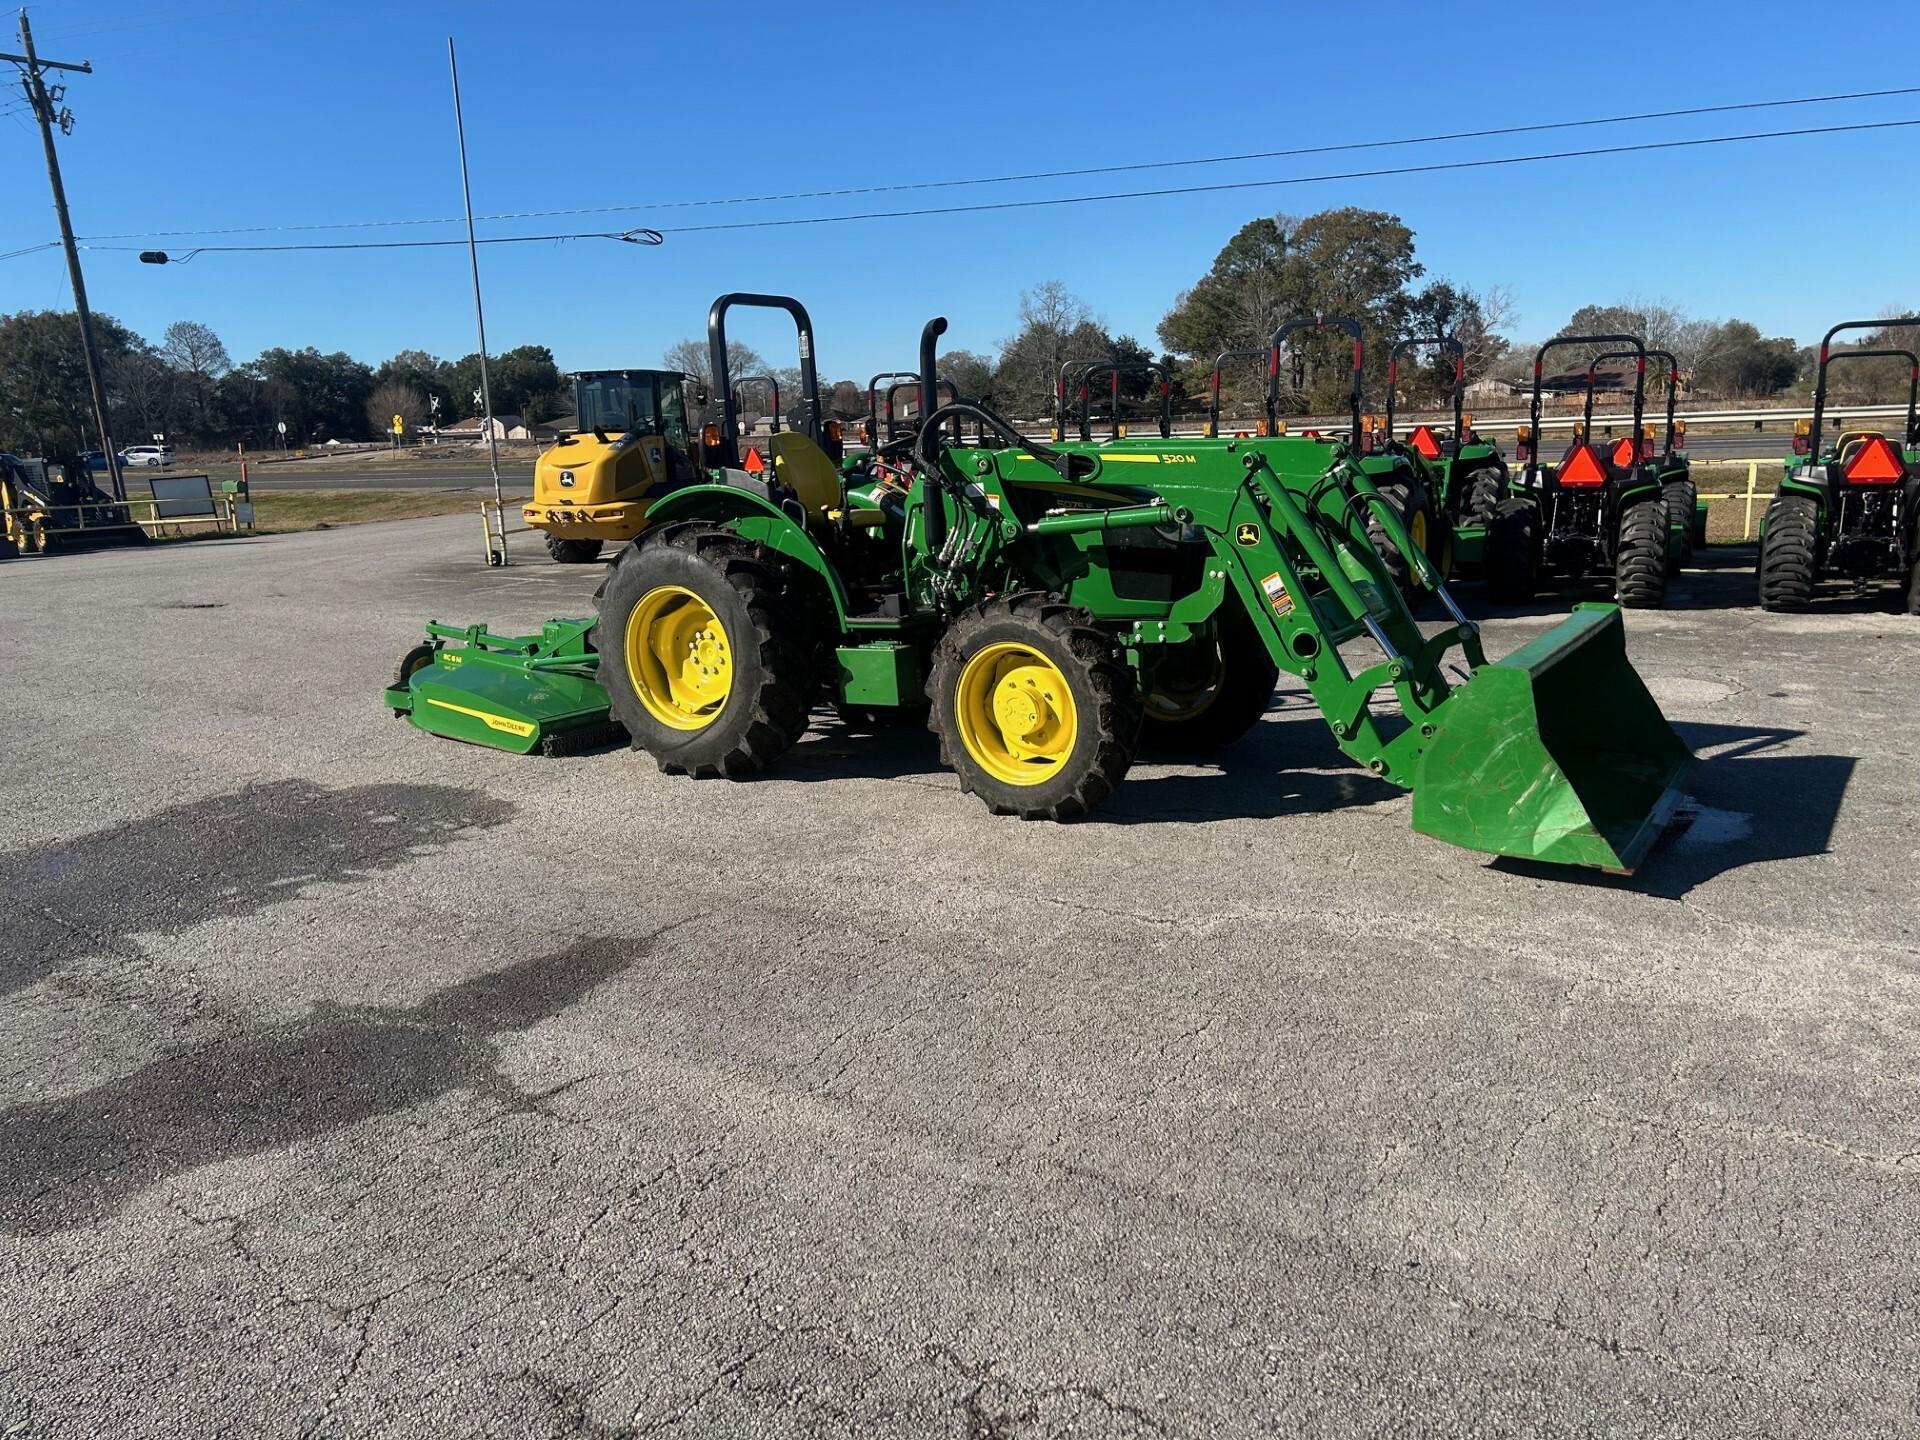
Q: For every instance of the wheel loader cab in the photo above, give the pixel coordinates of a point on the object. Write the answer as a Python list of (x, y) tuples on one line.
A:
[(632, 447)]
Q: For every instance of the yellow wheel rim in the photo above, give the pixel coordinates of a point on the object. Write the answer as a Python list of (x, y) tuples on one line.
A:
[(1015, 714), (1417, 529), (679, 659)]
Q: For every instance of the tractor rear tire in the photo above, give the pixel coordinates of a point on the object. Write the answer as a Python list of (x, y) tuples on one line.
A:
[(1512, 552), (1415, 509), (1682, 496), (1640, 557), (1486, 488), (1066, 734), (1913, 587), (1237, 677), (573, 552), (1789, 552), (760, 652)]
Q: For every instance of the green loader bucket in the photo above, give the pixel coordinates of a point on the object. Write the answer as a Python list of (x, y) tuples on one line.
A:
[(511, 692), (1556, 753)]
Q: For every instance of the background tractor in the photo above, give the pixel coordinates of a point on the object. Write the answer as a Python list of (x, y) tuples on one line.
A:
[(1849, 510), (1033, 597), (1465, 475), (633, 445), (1595, 512)]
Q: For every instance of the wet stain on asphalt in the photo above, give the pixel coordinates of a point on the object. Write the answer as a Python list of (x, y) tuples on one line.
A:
[(229, 855), (72, 1161)]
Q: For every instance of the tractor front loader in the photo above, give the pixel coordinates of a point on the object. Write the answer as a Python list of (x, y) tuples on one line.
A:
[(1853, 509), (1035, 598), (1595, 512)]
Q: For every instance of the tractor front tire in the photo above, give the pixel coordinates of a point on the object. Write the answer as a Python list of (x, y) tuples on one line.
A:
[(573, 552), (1036, 710), (1682, 496), (1512, 552), (1213, 691), (703, 655), (1640, 556), (1789, 552), (1416, 513)]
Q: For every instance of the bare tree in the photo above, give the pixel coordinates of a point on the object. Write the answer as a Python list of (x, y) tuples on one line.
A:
[(692, 357), (396, 397)]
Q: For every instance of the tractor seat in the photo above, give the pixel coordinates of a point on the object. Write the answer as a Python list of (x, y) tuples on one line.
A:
[(804, 468)]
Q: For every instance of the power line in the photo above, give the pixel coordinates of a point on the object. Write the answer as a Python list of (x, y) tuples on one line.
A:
[(636, 236), (920, 185), (1435, 167)]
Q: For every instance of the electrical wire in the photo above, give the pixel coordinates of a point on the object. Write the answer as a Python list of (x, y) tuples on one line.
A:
[(1435, 167), (919, 185)]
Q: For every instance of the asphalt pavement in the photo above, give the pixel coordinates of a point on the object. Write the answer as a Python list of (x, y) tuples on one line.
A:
[(354, 1082)]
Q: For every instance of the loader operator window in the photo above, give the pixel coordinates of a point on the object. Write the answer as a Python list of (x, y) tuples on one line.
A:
[(620, 403)]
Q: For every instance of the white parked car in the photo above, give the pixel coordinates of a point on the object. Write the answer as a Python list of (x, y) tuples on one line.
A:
[(150, 455)]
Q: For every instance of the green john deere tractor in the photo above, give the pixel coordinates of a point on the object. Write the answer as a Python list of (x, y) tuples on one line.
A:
[(1464, 474), (1850, 510), (1596, 511), (1039, 598)]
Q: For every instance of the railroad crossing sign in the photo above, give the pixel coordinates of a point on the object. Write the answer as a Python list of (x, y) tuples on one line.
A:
[(281, 427)]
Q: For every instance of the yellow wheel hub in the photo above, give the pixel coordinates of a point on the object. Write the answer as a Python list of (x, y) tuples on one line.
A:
[(1417, 529), (1015, 714), (679, 659)]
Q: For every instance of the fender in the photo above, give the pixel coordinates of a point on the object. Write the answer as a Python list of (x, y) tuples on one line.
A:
[(758, 519)]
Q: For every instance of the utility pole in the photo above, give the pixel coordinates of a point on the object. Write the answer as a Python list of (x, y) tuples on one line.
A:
[(479, 314), (31, 66)]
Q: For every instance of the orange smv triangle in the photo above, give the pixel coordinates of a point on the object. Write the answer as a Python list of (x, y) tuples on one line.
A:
[(1423, 441), (1623, 453), (1876, 463), (1583, 467), (754, 463)]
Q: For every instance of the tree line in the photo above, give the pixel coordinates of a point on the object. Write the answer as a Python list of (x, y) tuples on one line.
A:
[(1346, 261), (187, 388)]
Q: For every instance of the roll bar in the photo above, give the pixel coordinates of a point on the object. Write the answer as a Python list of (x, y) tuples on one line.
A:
[(1447, 345), (815, 423), (1820, 377), (1060, 405), (1673, 392), (1116, 370), (1322, 322), (1639, 352), (912, 382), (1271, 355), (873, 399), (772, 385)]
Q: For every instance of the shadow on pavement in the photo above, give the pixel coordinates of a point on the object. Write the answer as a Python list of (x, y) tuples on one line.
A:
[(1747, 806), (229, 855), (73, 1160)]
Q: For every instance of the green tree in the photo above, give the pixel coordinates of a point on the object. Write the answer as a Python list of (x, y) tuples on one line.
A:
[(1337, 262), (427, 375), (46, 406), (321, 397), (1735, 361), (198, 359)]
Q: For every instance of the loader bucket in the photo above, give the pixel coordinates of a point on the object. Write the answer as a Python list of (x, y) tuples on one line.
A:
[(511, 692), (1556, 753)]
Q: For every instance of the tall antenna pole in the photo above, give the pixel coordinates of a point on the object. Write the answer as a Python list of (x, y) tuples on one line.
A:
[(479, 313), (42, 105)]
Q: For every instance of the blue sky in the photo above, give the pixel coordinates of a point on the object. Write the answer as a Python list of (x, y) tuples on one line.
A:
[(293, 112)]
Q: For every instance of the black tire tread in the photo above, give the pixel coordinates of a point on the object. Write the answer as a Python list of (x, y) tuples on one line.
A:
[(1116, 717), (573, 552), (777, 712), (1511, 555), (1246, 690), (1407, 497), (1681, 497), (1640, 559), (1789, 555)]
